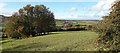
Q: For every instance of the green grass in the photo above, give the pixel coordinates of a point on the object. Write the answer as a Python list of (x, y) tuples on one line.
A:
[(0, 30), (57, 41), (59, 23), (82, 22), (0, 27), (87, 22)]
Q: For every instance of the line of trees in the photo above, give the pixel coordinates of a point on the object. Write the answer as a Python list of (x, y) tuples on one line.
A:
[(109, 30), (30, 21)]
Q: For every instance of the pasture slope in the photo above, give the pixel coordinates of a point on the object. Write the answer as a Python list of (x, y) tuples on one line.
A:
[(56, 41)]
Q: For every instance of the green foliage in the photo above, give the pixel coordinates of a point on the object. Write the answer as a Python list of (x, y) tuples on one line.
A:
[(109, 30), (30, 20)]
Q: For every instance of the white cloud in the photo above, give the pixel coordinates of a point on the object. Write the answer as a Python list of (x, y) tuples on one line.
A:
[(73, 16), (4, 11), (102, 5), (101, 13), (101, 9), (2, 5), (108, 4), (81, 16), (99, 5), (9, 12), (73, 9)]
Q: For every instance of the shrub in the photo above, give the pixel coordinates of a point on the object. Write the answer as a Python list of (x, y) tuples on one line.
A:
[(109, 30)]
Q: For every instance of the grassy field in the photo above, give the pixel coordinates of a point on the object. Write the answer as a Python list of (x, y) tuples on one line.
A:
[(81, 22), (0, 28), (59, 23), (56, 41)]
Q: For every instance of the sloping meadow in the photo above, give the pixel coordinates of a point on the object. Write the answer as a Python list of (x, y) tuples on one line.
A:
[(56, 41)]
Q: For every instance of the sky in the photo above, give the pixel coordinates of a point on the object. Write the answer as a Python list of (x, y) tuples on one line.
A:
[(69, 10)]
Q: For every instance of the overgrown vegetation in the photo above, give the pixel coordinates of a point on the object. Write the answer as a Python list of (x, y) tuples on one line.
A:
[(109, 30)]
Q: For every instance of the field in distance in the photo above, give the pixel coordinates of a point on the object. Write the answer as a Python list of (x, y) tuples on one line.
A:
[(76, 22)]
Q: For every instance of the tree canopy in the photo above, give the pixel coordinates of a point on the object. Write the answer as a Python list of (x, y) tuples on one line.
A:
[(30, 21)]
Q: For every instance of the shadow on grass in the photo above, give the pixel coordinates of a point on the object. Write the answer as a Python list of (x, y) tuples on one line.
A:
[(6, 40), (30, 47), (33, 46)]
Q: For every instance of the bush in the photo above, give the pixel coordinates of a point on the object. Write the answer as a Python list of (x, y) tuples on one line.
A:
[(109, 30)]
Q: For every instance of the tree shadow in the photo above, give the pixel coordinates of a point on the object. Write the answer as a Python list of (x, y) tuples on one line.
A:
[(37, 47), (6, 40)]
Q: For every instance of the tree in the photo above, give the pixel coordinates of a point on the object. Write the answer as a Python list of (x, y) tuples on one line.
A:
[(30, 20), (13, 27), (109, 30), (44, 19)]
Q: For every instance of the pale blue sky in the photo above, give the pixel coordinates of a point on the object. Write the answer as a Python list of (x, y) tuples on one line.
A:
[(49, 0), (63, 10)]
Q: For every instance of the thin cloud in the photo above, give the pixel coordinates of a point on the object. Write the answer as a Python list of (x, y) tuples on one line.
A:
[(73, 9), (80, 16), (101, 5), (5, 11), (101, 13), (2, 6)]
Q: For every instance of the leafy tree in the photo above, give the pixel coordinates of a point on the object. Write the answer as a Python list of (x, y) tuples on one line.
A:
[(30, 20), (13, 27), (45, 21), (109, 30)]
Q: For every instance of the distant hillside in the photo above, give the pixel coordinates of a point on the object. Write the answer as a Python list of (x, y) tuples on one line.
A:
[(3, 18), (59, 21), (75, 22)]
